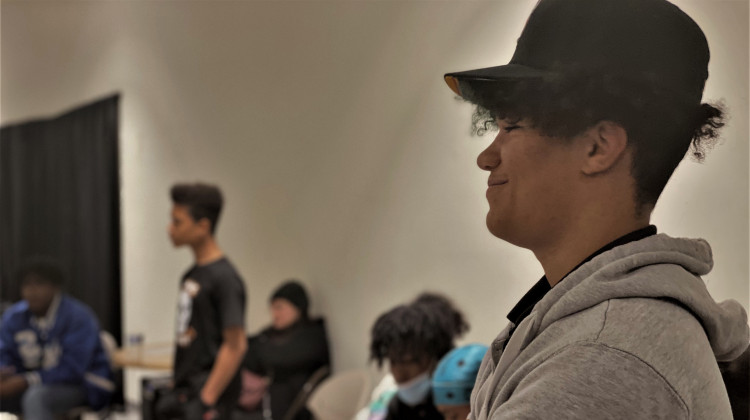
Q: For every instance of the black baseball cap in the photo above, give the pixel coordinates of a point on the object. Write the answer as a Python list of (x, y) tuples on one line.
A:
[(641, 39)]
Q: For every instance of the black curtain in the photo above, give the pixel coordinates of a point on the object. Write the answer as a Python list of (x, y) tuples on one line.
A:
[(60, 197)]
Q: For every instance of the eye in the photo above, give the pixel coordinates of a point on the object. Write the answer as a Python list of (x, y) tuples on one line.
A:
[(510, 128)]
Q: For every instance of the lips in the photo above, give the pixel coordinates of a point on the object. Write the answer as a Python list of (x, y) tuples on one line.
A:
[(496, 182)]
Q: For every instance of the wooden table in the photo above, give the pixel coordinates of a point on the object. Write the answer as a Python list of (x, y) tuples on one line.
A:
[(157, 356)]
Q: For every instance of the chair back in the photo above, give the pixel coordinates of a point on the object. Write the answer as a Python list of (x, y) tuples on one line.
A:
[(110, 346), (341, 396), (301, 399)]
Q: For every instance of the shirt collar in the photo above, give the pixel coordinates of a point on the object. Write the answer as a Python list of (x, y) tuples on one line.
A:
[(524, 306)]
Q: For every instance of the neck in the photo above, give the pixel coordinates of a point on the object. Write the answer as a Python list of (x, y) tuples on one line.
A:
[(206, 251), (43, 312), (583, 237)]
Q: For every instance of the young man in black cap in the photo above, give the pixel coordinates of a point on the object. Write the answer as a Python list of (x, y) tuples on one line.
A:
[(595, 110), (210, 338)]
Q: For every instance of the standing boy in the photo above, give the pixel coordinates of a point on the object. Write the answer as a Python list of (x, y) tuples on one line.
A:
[(210, 341)]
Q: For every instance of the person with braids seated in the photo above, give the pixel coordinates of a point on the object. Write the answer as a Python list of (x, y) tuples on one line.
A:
[(413, 338)]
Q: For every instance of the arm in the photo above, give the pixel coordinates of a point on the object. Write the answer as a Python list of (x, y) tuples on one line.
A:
[(10, 362), (590, 380), (228, 359), (12, 382), (305, 351), (230, 300), (251, 360)]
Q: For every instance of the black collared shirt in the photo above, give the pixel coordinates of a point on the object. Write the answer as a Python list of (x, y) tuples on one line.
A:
[(524, 306)]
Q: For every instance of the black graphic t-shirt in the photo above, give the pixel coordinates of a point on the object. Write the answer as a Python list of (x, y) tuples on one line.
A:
[(211, 298)]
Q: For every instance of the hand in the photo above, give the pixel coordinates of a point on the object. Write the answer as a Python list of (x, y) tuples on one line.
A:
[(207, 400), (209, 412), (10, 386)]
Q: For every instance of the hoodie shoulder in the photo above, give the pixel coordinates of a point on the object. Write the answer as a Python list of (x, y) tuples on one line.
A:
[(75, 309), (668, 338), (591, 380)]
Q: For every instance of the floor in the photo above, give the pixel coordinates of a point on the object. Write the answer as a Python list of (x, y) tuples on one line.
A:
[(132, 413)]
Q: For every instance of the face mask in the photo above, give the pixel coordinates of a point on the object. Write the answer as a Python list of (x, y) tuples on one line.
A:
[(416, 390)]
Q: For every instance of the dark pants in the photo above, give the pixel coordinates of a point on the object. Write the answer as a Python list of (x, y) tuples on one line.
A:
[(183, 402), (43, 402), (179, 404), (185, 405)]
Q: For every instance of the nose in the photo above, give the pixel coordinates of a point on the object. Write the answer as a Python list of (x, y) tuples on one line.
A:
[(490, 157)]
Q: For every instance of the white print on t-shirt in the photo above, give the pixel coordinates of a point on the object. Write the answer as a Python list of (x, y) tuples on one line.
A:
[(190, 289), (35, 356)]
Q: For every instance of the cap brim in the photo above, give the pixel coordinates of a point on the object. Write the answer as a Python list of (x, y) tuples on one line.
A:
[(465, 82)]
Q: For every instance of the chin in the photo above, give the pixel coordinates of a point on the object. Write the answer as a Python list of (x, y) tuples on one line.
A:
[(36, 310), (496, 227), (505, 231)]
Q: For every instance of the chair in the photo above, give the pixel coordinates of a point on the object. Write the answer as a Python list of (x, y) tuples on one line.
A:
[(118, 399), (304, 395), (110, 345), (341, 396), (736, 376)]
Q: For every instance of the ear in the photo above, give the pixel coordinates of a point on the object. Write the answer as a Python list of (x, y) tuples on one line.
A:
[(205, 224), (606, 142)]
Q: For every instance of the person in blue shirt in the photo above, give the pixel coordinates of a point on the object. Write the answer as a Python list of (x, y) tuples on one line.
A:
[(51, 356)]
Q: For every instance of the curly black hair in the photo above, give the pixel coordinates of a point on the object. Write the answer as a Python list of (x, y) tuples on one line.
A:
[(444, 311), (661, 123), (423, 330)]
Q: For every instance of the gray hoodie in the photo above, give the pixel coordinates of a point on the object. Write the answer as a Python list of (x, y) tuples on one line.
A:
[(631, 334)]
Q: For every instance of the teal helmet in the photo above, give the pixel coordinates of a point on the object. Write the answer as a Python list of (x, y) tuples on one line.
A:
[(456, 373)]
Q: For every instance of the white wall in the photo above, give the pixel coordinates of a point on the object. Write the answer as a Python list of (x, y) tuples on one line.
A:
[(345, 160)]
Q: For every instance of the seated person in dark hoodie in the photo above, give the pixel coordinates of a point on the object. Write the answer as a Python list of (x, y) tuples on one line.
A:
[(289, 351), (51, 356), (413, 338)]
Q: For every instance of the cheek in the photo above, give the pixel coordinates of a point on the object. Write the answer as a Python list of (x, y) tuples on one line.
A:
[(406, 373), (282, 316), (399, 375), (183, 232), (275, 315), (31, 292)]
